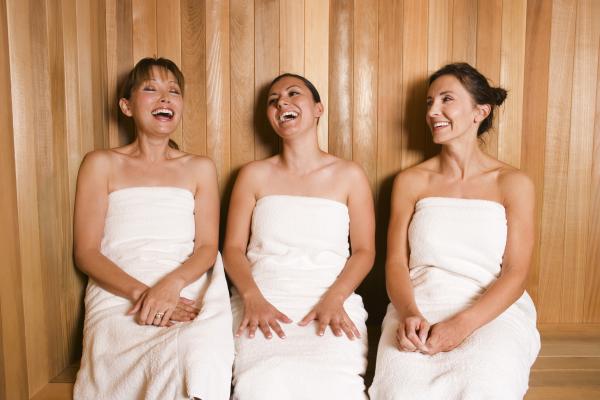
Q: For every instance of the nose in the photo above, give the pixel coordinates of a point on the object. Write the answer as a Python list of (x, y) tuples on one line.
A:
[(433, 109), (282, 101), (164, 98)]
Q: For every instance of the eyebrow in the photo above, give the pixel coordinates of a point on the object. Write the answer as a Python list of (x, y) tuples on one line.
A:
[(287, 88)]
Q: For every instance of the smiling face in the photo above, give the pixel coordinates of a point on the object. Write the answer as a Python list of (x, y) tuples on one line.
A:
[(291, 107), (451, 111), (156, 104)]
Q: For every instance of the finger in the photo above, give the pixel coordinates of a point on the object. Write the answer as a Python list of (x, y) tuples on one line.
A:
[(284, 318), (158, 317), (424, 331), (347, 330), (166, 318), (307, 319), (277, 328), (352, 326), (264, 328), (180, 316), (241, 328), (252, 329), (406, 345), (322, 327), (136, 307), (187, 308), (187, 301), (335, 328), (417, 342)]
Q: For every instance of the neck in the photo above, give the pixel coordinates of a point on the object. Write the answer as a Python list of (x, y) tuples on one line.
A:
[(301, 153), (462, 159), (151, 149)]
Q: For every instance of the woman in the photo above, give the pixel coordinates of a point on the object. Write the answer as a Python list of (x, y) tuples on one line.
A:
[(157, 314), (286, 251), (460, 325)]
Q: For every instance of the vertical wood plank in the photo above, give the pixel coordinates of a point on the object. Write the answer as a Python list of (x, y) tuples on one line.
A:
[(440, 34), (581, 141), (464, 31), (266, 67), (514, 13), (144, 29), (14, 378), (217, 86), (124, 54), (291, 36), (25, 128), (592, 275), (168, 42), (341, 27), (316, 50), (535, 105), (489, 41), (416, 139), (99, 88), (193, 66), (364, 116), (242, 81), (389, 141), (562, 44)]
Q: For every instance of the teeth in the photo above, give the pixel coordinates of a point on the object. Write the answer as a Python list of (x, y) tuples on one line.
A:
[(438, 124), (163, 111), (288, 115)]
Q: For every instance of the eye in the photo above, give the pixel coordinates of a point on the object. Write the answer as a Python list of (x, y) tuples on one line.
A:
[(175, 91), (293, 93), (149, 88), (447, 98), (429, 103), (272, 101)]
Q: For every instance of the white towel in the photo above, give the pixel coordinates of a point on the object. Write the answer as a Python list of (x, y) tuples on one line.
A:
[(456, 250), (298, 247), (149, 231)]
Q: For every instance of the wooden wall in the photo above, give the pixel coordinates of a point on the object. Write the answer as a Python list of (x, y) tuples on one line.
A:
[(61, 62)]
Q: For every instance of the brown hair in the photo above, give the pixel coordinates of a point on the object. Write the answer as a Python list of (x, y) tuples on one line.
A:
[(478, 87), (142, 70)]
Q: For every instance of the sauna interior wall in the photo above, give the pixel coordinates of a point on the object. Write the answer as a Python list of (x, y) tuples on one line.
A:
[(61, 62)]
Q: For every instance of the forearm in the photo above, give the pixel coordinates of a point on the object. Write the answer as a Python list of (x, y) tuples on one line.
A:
[(400, 291), (238, 267), (500, 295), (108, 275), (355, 270), (194, 267)]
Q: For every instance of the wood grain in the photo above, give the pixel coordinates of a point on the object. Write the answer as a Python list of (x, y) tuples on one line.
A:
[(552, 239), (291, 36), (464, 30), (440, 34), (341, 74), (535, 106), (364, 115), (144, 29)]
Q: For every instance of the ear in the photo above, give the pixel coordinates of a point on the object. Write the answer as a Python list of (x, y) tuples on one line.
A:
[(319, 109), (124, 106), (483, 110)]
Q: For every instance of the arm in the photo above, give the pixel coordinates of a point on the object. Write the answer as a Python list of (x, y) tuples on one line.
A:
[(510, 285), (258, 312), (164, 295), (330, 311), (91, 203), (413, 327)]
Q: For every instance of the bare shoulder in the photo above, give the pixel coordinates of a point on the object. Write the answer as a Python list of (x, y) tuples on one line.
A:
[(199, 164), (518, 190), (347, 170), (413, 181), (97, 165), (99, 157)]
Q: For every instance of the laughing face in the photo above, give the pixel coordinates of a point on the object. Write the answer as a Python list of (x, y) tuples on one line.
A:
[(291, 107), (156, 105), (451, 111)]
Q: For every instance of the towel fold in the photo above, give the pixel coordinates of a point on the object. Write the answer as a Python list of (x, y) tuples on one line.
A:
[(456, 250), (149, 231)]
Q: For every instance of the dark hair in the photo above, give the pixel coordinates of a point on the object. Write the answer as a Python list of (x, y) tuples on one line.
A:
[(142, 71), (309, 85), (478, 87)]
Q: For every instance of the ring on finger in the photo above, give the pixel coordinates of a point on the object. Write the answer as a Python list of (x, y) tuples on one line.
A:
[(159, 315)]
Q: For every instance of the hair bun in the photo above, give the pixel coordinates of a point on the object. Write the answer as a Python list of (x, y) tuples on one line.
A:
[(499, 95)]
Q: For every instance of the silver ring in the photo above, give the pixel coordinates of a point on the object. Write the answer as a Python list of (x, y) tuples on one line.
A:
[(159, 315)]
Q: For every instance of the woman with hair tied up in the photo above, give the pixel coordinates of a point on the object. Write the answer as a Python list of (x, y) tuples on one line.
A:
[(460, 325), (157, 312)]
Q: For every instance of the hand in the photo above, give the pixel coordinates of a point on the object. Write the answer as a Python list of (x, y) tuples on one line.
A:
[(156, 304), (184, 311), (412, 334), (330, 312), (259, 313), (446, 336)]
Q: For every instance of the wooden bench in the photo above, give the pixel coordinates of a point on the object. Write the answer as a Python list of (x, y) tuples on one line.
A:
[(568, 367)]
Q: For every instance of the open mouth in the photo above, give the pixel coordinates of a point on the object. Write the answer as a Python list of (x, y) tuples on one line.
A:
[(164, 114), (288, 116), (440, 124)]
